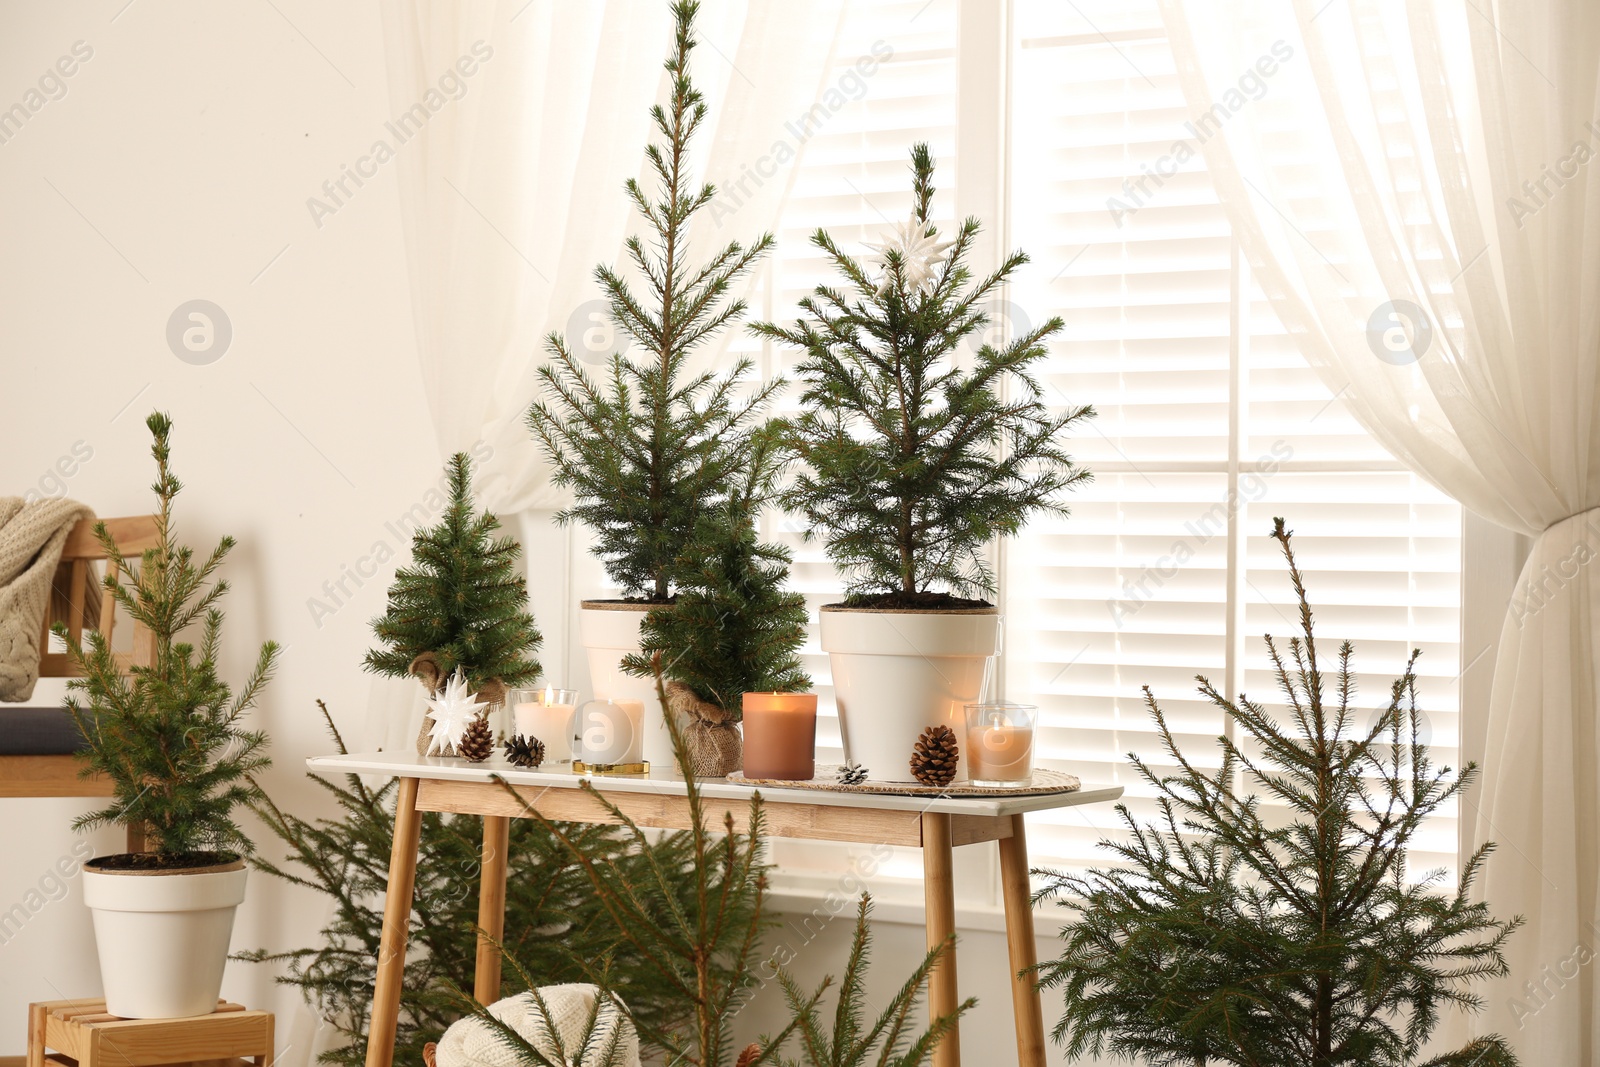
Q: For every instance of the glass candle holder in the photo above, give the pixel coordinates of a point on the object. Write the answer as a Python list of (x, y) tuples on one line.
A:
[(545, 714), (780, 736), (999, 747), (609, 737)]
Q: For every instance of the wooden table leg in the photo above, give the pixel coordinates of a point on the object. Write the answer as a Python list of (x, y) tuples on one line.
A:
[(267, 1058), (938, 882), (36, 1014), (492, 906), (1017, 892), (396, 926)]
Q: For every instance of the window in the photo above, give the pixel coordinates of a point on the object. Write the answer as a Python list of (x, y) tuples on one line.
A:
[(1210, 423)]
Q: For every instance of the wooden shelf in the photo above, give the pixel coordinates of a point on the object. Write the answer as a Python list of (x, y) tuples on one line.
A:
[(79, 1033)]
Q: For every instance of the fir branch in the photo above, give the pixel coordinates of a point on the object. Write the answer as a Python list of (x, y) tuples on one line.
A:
[(890, 1041)]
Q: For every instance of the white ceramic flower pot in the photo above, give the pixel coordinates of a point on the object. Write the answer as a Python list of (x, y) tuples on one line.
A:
[(896, 673), (163, 937), (609, 631)]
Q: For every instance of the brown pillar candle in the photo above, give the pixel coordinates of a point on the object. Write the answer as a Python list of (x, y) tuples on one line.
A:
[(780, 736)]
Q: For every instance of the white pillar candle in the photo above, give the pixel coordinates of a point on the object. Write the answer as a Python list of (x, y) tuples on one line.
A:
[(548, 716), (611, 732)]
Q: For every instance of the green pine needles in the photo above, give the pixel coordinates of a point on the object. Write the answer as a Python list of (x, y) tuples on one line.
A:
[(1266, 917), (461, 599), (910, 464), (892, 1040), (733, 629), (601, 1044), (648, 447), (704, 950), (168, 734)]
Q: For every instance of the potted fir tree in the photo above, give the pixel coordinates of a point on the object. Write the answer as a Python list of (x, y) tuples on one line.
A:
[(650, 446), (733, 629), (911, 467), (460, 607), (168, 737)]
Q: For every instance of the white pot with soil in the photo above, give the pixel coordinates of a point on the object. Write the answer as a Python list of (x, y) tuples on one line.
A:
[(162, 933), (609, 630), (897, 672)]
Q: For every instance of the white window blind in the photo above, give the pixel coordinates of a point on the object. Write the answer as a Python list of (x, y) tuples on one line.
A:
[(1210, 422)]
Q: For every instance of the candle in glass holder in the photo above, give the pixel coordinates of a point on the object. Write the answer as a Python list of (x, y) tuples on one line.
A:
[(780, 736), (546, 714), (999, 747), (610, 737)]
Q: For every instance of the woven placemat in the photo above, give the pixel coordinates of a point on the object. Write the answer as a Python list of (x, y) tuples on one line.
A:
[(827, 780)]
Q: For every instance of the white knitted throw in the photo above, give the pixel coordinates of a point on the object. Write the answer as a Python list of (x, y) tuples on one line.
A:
[(31, 538), (470, 1042)]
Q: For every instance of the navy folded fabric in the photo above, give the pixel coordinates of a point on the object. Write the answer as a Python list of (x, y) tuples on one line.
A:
[(26, 731)]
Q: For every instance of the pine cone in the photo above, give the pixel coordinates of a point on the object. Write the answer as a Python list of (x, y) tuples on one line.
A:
[(751, 1054), (525, 751), (477, 741), (933, 760), (852, 773)]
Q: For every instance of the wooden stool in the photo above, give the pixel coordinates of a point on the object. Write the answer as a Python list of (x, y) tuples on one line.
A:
[(82, 1034)]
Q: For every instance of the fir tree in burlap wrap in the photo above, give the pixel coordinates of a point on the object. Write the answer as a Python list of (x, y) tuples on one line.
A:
[(461, 603)]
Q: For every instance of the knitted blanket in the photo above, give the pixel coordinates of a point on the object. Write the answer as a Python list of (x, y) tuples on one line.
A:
[(32, 536), (471, 1042)]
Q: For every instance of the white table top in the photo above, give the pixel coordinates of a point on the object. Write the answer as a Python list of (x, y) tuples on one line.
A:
[(663, 782)]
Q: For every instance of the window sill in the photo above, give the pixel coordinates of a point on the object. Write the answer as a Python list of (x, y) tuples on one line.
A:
[(897, 906)]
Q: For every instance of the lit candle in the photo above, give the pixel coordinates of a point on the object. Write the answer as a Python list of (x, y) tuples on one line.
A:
[(547, 714), (999, 746), (780, 736)]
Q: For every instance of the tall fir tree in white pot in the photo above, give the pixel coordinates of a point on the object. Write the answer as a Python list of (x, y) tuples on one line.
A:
[(649, 446), (911, 465), (169, 736)]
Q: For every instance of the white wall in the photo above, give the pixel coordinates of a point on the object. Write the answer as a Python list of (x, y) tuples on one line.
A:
[(176, 166), (187, 146)]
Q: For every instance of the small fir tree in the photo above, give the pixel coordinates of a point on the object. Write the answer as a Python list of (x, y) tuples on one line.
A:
[(911, 465), (1234, 932), (168, 734), (461, 603), (733, 628), (892, 1040), (649, 447), (552, 916)]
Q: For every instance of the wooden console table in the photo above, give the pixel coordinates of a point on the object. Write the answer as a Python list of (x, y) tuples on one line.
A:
[(935, 825)]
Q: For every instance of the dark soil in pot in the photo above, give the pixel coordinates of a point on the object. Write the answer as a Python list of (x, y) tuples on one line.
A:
[(163, 863), (912, 602)]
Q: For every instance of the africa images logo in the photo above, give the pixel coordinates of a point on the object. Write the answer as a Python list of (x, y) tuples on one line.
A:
[(1399, 332)]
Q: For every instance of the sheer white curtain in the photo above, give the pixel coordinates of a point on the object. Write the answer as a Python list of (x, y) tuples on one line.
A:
[(511, 194), (1416, 187)]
